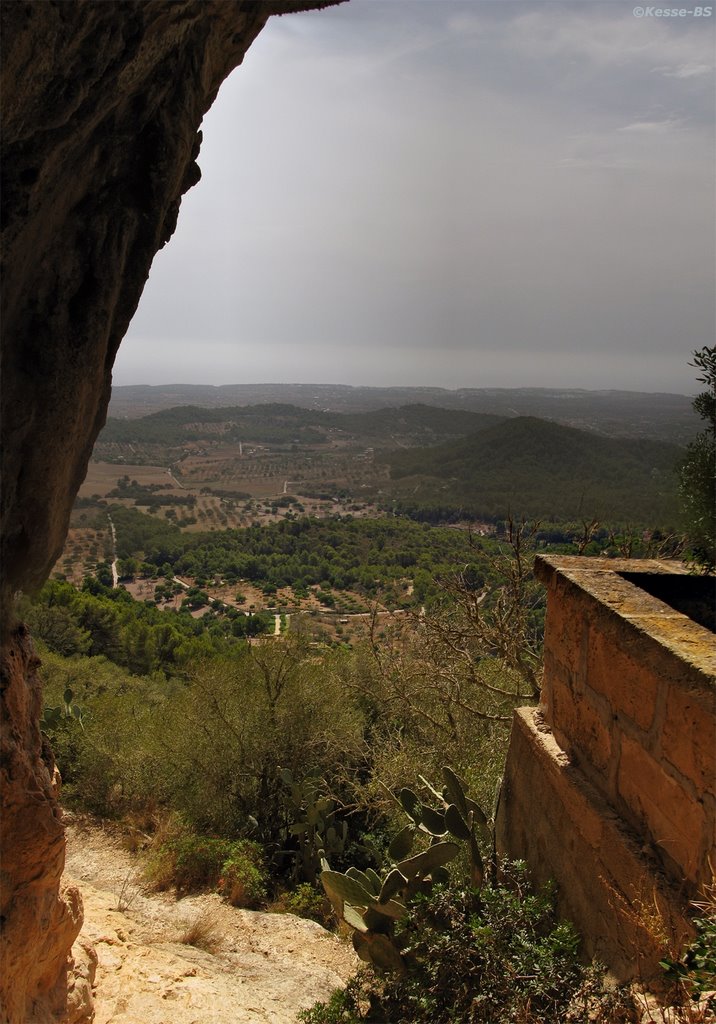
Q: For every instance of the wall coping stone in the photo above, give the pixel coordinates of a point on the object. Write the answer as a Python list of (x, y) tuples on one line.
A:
[(651, 620)]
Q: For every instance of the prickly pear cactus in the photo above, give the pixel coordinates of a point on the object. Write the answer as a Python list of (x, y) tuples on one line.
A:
[(315, 827), (457, 816), (371, 906), (52, 716)]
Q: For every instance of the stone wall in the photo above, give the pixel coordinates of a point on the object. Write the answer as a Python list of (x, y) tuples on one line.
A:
[(610, 782)]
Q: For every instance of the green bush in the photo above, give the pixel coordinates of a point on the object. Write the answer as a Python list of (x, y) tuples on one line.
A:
[(243, 875), (106, 766), (193, 862), (698, 469), (341, 1007), (493, 957), (189, 862), (223, 737), (695, 972), (305, 901)]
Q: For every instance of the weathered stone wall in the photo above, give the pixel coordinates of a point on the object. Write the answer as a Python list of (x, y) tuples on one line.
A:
[(101, 106), (610, 782), (630, 697)]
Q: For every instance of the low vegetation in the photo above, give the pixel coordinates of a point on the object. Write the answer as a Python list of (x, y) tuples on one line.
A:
[(495, 956), (263, 706), (185, 714), (189, 862)]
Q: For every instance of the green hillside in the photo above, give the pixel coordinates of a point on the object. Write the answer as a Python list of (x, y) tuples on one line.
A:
[(280, 423), (421, 422), (542, 469), (661, 417)]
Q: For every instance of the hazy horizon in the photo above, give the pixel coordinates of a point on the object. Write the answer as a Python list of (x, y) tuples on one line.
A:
[(391, 387), (394, 387), (448, 193)]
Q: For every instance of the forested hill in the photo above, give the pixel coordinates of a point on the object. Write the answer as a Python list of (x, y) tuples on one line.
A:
[(276, 423), (542, 469), (663, 417), (444, 464)]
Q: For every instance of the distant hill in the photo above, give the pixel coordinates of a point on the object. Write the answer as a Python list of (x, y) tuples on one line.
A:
[(665, 417), (419, 421), (281, 423), (542, 469), (434, 463)]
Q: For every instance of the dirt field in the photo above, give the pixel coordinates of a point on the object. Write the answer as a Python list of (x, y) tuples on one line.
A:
[(102, 477)]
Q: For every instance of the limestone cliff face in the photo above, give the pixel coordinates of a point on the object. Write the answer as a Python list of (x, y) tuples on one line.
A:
[(38, 925), (102, 103)]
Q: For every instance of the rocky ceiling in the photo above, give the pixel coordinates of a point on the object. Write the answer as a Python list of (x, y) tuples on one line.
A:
[(101, 106)]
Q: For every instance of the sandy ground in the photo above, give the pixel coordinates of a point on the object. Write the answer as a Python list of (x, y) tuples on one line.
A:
[(262, 967)]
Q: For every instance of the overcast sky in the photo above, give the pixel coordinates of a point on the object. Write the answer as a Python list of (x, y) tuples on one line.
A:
[(481, 193)]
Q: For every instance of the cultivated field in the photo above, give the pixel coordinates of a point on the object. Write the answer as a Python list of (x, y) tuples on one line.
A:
[(102, 477)]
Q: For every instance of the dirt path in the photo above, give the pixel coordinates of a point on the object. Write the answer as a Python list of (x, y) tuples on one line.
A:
[(115, 573), (261, 968)]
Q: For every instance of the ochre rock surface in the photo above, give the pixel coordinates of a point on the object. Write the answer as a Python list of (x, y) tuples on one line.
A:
[(39, 922), (101, 108), (243, 966)]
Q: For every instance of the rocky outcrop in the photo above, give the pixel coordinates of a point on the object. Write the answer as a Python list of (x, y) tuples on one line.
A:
[(38, 922), (102, 103), (194, 959)]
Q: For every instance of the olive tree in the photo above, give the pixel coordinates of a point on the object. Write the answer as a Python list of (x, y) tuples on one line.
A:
[(698, 470)]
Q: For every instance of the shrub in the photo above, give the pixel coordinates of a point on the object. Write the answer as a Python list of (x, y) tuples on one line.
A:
[(106, 766), (493, 957), (189, 862), (340, 1008), (222, 737), (699, 467), (305, 901), (694, 974), (243, 876)]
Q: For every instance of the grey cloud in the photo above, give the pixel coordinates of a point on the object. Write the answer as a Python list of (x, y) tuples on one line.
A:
[(446, 193)]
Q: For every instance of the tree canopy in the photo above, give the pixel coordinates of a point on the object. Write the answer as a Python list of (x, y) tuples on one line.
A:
[(698, 470)]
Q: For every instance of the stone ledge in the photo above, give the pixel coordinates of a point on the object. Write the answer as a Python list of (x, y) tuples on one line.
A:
[(650, 619)]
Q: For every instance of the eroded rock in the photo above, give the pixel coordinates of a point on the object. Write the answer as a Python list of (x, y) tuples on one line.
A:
[(39, 921), (102, 104)]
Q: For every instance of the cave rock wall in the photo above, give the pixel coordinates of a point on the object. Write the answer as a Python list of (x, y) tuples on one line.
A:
[(101, 108)]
